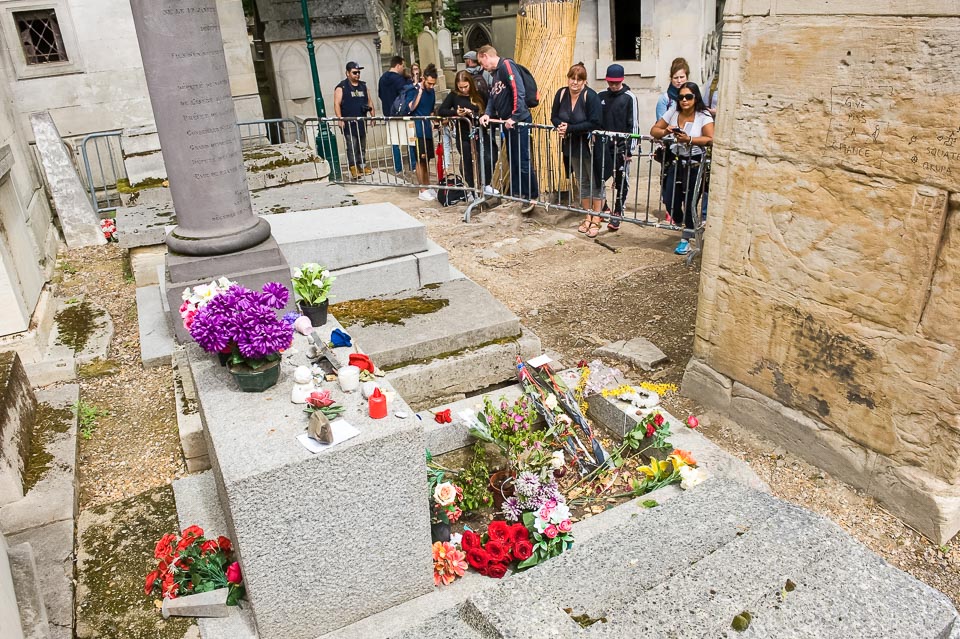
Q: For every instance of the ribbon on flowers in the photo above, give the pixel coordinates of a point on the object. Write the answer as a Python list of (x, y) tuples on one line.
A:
[(338, 338)]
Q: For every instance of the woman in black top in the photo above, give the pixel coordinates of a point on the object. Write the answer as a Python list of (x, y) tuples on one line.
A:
[(576, 112), (466, 104)]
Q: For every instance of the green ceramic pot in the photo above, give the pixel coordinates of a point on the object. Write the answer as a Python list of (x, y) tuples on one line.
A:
[(255, 380)]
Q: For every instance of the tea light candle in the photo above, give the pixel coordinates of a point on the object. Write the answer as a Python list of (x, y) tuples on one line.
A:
[(349, 378)]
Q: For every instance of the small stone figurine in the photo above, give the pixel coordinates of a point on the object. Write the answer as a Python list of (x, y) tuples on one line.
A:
[(319, 428), (302, 385)]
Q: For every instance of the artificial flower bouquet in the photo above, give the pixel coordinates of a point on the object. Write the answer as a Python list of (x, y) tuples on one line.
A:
[(108, 227), (322, 401), (246, 322), (311, 283), (449, 562), (190, 563), (197, 297), (510, 426), (552, 531), (679, 466), (492, 553)]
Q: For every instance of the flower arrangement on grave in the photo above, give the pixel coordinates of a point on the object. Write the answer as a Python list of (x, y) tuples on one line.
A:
[(552, 531), (197, 297), (190, 563), (492, 553), (311, 283), (445, 496), (449, 562), (660, 473), (108, 227), (510, 426), (322, 401), (531, 492), (246, 322)]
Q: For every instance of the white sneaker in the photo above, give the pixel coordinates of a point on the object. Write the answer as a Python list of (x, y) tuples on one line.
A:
[(489, 190), (427, 195)]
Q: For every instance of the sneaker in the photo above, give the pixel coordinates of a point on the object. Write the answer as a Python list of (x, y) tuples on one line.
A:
[(682, 248), (427, 195), (613, 227), (489, 190), (528, 208), (367, 170), (354, 173)]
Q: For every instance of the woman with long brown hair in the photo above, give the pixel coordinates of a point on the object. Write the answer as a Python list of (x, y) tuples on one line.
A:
[(466, 104)]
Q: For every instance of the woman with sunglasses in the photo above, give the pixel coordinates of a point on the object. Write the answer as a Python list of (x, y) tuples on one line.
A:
[(691, 127)]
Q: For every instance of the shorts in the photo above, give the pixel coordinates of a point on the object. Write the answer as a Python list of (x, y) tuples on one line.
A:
[(425, 148)]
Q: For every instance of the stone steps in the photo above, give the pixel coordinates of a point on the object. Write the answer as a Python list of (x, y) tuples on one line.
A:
[(26, 587), (688, 566)]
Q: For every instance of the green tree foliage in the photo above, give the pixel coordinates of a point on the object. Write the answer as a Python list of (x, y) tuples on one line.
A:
[(451, 16)]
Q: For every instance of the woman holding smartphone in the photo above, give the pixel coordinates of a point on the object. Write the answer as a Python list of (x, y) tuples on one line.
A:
[(466, 104), (691, 126)]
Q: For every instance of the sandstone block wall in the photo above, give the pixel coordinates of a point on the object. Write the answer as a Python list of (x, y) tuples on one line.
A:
[(832, 259)]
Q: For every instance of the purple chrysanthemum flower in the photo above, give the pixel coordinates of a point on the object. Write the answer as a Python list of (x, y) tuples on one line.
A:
[(527, 484), (275, 294), (512, 509)]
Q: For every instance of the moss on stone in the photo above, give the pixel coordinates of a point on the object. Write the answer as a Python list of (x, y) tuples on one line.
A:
[(124, 186), (278, 164), (279, 209), (76, 323), (115, 552), (260, 154), (460, 351), (385, 311), (49, 422), (98, 368), (742, 621)]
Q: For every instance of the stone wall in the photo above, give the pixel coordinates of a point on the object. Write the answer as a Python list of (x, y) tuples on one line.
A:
[(832, 252), (18, 408)]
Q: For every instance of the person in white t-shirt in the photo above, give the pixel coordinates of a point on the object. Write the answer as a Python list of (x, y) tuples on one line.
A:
[(690, 127)]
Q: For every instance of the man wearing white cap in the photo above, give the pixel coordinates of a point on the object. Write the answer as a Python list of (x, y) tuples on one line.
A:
[(482, 78)]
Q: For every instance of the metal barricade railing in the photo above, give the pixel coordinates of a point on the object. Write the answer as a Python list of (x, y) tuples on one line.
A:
[(611, 175), (102, 170), (270, 131)]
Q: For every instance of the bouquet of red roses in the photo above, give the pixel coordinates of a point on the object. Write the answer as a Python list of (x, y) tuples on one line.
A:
[(492, 553), (191, 563)]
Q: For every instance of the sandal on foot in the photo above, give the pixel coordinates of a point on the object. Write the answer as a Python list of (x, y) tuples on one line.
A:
[(584, 226), (593, 230)]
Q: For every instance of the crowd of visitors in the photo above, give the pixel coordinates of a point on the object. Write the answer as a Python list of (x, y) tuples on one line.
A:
[(488, 107)]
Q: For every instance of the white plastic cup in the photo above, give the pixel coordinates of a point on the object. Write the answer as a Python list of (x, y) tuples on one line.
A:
[(349, 378)]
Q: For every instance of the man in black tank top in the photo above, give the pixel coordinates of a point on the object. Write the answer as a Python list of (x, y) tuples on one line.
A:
[(352, 99)]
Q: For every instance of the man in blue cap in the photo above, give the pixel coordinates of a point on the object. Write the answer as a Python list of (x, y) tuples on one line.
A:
[(620, 114)]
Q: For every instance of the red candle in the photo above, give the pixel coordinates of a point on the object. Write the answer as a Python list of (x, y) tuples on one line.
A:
[(377, 405)]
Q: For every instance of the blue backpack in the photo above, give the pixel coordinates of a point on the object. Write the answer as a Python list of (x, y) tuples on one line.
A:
[(401, 106)]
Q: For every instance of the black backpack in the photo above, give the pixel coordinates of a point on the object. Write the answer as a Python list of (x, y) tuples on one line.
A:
[(400, 106), (452, 195), (530, 90)]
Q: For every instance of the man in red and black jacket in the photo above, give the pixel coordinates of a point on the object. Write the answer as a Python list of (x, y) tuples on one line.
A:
[(508, 102)]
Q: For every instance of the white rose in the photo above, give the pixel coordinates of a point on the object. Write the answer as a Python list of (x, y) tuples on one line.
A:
[(445, 494), (297, 273), (551, 402), (317, 283), (561, 512), (557, 460), (691, 477)]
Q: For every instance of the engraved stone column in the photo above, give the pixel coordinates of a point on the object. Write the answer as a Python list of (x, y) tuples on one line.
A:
[(186, 72)]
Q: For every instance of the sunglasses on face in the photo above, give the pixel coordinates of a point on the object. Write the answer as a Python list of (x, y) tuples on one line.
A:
[(686, 96), (354, 73)]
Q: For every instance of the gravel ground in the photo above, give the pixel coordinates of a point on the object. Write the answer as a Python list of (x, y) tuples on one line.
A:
[(573, 292)]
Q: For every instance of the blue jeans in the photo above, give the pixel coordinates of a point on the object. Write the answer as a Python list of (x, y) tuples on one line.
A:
[(523, 179)]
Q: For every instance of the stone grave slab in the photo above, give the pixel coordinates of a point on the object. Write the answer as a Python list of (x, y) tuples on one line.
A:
[(393, 274), (348, 236), (639, 352), (316, 530), (460, 314)]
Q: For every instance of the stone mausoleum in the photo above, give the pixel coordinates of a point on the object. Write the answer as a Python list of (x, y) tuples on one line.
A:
[(828, 296)]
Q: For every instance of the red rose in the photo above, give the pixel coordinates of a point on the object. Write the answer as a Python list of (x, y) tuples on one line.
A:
[(523, 550), (497, 551), (551, 531), (650, 430), (193, 531), (478, 558), (164, 547), (169, 587), (209, 546), (496, 571), (470, 540), (658, 419), (233, 573), (519, 532), (150, 582), (224, 544), (500, 531)]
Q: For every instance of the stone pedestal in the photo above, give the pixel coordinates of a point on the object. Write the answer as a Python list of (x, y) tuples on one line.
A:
[(325, 539), (186, 73)]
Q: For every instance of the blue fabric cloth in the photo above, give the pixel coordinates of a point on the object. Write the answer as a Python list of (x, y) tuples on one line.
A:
[(338, 338)]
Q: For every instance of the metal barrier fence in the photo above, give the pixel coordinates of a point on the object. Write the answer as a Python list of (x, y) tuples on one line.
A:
[(270, 131), (617, 177)]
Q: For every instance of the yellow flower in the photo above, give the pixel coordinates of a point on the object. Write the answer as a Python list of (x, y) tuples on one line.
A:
[(680, 458), (656, 469)]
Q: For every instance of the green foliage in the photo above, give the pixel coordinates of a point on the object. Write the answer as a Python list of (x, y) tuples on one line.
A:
[(87, 415), (650, 503), (451, 16), (473, 481), (311, 283), (510, 427), (412, 24)]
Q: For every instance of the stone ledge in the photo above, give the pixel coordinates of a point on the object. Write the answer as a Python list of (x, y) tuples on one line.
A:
[(924, 502)]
